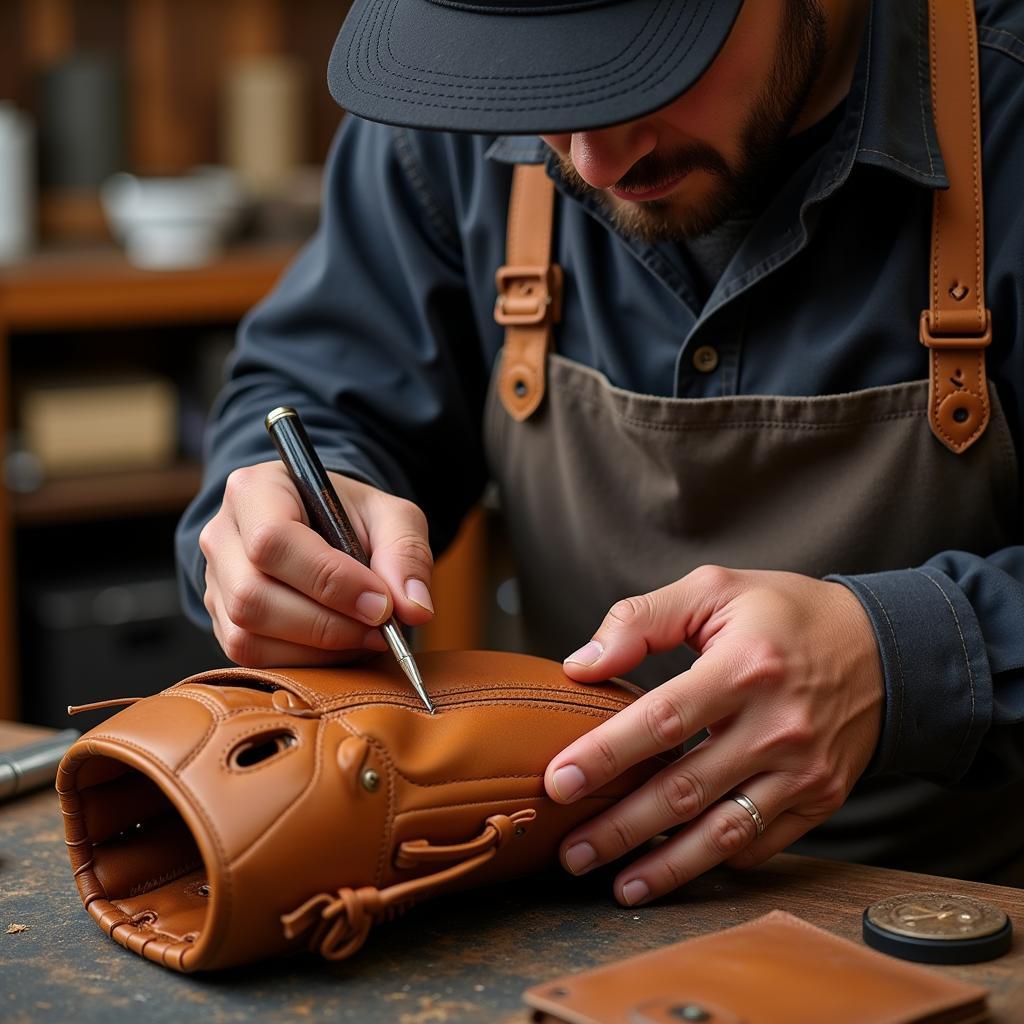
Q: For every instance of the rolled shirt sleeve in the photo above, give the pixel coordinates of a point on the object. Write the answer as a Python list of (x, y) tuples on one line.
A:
[(951, 638)]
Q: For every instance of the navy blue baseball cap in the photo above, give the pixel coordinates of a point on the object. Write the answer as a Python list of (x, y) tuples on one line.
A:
[(528, 67)]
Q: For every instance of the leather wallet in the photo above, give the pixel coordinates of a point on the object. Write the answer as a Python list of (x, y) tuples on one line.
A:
[(776, 969)]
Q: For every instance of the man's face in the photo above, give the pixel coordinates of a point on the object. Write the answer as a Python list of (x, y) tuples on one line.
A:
[(685, 168)]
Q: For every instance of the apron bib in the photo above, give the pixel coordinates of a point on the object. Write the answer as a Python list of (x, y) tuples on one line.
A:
[(608, 493)]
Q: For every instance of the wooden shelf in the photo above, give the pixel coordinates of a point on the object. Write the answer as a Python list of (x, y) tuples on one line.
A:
[(108, 495), (87, 288)]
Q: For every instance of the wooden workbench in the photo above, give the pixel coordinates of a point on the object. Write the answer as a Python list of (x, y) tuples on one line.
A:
[(464, 960)]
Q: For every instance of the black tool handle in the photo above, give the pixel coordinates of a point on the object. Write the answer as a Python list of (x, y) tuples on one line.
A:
[(326, 513)]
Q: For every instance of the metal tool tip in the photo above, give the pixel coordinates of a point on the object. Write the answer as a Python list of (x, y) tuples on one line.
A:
[(413, 674)]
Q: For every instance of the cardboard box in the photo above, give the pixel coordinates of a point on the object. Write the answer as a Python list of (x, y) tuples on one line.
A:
[(76, 427)]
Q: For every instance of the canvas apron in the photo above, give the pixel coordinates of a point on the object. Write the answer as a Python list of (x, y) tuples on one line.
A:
[(608, 493)]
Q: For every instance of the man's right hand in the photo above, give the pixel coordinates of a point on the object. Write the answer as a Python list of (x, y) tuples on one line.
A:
[(278, 594)]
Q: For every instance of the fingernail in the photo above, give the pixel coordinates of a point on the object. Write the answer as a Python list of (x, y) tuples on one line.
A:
[(372, 607), (568, 781), (579, 857), (374, 641), (587, 654), (635, 892), (417, 592)]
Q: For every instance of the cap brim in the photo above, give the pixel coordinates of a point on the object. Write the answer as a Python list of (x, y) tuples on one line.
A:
[(424, 64)]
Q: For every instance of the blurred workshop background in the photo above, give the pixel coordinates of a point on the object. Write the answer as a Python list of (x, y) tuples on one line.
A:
[(160, 164)]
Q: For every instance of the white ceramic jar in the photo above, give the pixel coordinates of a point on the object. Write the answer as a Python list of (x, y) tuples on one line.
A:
[(17, 184)]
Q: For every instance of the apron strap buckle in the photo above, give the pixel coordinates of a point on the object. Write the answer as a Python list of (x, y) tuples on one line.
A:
[(527, 296), (961, 340)]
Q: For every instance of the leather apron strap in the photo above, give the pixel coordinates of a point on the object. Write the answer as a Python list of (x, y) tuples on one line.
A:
[(529, 291), (957, 326)]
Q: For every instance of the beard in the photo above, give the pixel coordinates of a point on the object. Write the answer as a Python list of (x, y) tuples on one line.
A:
[(801, 54)]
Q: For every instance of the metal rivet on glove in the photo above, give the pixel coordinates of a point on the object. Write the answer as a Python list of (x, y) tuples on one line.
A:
[(690, 1011), (370, 779)]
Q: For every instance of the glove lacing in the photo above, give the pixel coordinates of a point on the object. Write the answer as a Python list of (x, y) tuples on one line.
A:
[(339, 923)]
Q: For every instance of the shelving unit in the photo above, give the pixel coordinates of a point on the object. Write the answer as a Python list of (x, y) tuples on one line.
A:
[(96, 289), (176, 56), (107, 495)]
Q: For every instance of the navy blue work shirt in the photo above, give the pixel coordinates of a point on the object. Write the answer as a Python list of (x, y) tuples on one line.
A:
[(382, 333)]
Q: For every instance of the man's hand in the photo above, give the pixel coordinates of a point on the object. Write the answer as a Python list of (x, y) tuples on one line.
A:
[(279, 594), (789, 685)]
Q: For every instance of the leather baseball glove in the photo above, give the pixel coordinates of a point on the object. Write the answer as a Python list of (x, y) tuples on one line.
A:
[(242, 813)]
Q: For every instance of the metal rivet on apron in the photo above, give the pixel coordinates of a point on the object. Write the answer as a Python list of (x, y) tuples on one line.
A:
[(961, 415), (521, 388), (705, 359), (370, 779)]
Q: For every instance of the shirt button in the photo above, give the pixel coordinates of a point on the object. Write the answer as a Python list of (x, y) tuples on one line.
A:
[(705, 359)]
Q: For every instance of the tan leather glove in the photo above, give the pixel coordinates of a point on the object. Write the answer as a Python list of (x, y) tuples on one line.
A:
[(245, 813)]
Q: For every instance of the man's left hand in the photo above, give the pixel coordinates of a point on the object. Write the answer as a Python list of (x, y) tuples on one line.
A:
[(788, 684)]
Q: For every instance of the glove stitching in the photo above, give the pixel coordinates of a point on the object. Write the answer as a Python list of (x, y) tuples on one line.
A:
[(331, 705), (201, 698), (223, 678), (538, 702), (470, 778), (555, 693), (200, 809), (504, 801), (389, 820), (199, 747), (389, 827)]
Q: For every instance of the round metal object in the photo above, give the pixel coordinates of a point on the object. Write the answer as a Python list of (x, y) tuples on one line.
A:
[(370, 779), (690, 1011), (937, 928)]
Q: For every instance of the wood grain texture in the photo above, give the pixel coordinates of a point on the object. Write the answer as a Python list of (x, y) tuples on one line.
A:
[(99, 288), (463, 960)]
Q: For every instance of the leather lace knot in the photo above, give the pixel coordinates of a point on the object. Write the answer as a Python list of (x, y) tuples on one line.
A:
[(338, 923)]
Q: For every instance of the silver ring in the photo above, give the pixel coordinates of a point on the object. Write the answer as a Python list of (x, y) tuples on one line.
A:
[(751, 808)]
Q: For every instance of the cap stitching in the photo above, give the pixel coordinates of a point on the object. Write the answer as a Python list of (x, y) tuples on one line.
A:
[(557, 78), (404, 93)]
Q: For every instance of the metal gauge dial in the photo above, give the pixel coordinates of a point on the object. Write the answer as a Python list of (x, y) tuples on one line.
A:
[(937, 927)]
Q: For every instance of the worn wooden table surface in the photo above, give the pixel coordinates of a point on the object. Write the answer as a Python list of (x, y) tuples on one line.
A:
[(466, 960)]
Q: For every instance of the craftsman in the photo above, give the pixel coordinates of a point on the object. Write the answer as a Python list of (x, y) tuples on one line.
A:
[(714, 429)]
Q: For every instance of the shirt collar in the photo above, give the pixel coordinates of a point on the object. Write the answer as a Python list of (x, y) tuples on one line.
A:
[(889, 120), (898, 123)]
